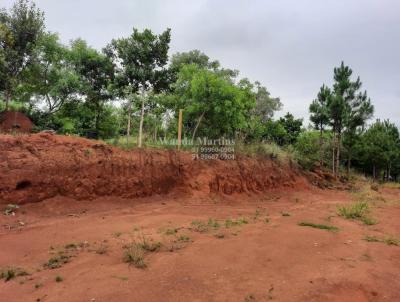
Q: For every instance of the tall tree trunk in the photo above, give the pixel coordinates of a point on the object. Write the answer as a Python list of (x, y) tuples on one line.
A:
[(321, 144), (197, 125), (141, 124), (155, 132), (333, 154), (349, 163), (374, 172), (128, 129), (7, 98), (338, 141)]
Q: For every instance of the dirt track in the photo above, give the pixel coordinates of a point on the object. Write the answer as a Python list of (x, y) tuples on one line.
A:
[(269, 258)]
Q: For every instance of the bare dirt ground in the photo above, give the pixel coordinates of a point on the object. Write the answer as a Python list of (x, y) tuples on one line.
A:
[(242, 246)]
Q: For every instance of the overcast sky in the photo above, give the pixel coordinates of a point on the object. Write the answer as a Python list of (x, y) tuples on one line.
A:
[(290, 46)]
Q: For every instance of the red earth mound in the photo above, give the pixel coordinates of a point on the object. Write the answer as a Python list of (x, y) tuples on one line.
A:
[(14, 121), (40, 166)]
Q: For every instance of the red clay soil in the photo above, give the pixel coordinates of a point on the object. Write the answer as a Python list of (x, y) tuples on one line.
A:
[(14, 121), (79, 213), (40, 166)]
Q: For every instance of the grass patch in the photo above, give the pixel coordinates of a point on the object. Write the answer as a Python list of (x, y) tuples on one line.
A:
[(71, 246), (266, 150), (357, 211), (10, 273), (199, 226), (372, 239), (171, 231), (392, 241), (319, 226), (183, 238), (134, 255), (57, 261), (117, 234), (202, 227), (238, 222), (387, 240)]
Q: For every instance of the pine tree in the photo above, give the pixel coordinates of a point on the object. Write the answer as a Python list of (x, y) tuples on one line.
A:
[(320, 115)]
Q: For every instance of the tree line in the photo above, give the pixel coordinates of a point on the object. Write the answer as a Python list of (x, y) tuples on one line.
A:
[(134, 88)]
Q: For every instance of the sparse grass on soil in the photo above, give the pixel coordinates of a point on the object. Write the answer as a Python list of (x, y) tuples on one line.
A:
[(388, 240), (183, 238), (57, 261), (134, 255), (357, 211), (171, 231), (238, 222), (319, 226), (219, 235), (9, 273), (135, 252), (202, 227)]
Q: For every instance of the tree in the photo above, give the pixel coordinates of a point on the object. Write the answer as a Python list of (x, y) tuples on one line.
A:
[(140, 62), (308, 149), (196, 57), (50, 78), (275, 132), (20, 30), (211, 101), (347, 110), (360, 111), (96, 73), (319, 115), (265, 104), (379, 147), (292, 127)]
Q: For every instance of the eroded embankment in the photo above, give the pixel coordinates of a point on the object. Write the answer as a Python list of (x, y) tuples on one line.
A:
[(40, 166)]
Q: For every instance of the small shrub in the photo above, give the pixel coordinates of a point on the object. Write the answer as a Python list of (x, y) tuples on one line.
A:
[(319, 226), (231, 223), (171, 231), (250, 298), (219, 235), (134, 255), (59, 279), (70, 246), (392, 241), (10, 273), (38, 285), (369, 220), (285, 214), (213, 223), (357, 211), (57, 261), (183, 238), (117, 234), (388, 240), (372, 239), (199, 226)]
